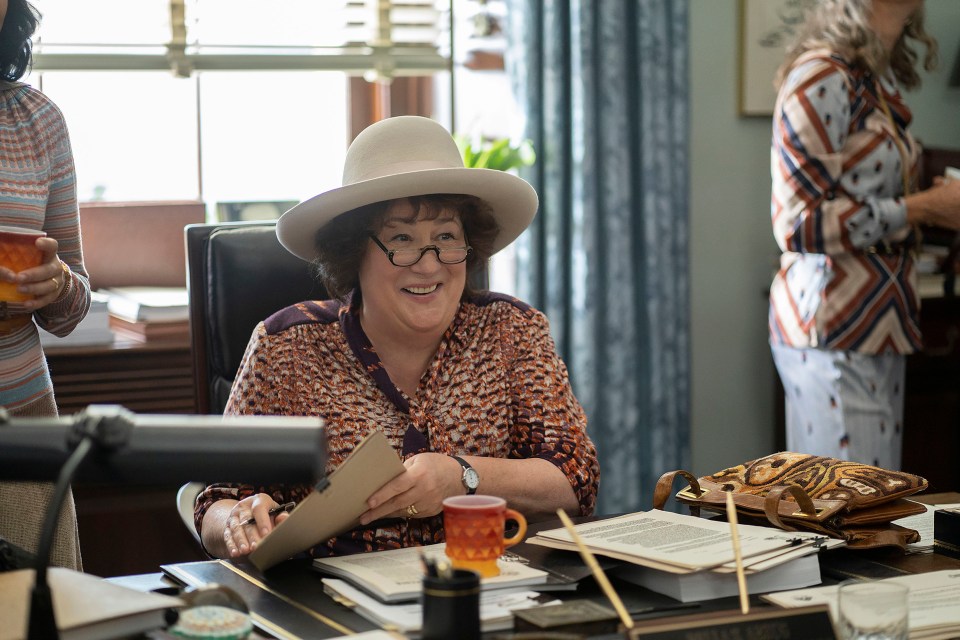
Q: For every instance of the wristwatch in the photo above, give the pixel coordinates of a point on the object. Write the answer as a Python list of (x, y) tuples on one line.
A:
[(470, 477)]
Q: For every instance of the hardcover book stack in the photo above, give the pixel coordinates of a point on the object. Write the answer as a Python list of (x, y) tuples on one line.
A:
[(149, 314)]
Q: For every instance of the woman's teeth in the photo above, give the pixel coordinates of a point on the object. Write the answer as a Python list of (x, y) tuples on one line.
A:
[(422, 290)]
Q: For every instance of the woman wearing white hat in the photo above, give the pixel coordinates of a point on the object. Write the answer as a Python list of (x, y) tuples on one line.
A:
[(466, 385)]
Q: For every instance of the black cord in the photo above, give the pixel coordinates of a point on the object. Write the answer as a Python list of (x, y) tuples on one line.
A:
[(43, 624)]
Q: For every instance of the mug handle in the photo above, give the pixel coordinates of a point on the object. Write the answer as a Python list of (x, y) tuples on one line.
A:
[(510, 514)]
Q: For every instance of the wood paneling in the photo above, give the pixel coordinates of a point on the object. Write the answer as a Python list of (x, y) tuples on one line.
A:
[(127, 530)]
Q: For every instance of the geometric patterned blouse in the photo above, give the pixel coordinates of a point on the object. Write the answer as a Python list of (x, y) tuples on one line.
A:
[(496, 387), (847, 277)]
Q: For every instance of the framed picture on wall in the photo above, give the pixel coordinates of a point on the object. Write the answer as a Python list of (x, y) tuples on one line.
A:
[(767, 27)]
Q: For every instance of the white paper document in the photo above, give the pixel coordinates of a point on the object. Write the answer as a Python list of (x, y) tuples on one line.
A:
[(803, 571), (934, 612), (397, 575), (496, 607), (674, 542), (923, 524)]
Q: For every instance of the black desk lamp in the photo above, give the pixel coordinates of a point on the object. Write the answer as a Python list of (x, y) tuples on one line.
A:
[(107, 443)]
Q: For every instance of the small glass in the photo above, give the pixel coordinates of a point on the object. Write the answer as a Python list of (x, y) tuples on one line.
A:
[(18, 251), (873, 611)]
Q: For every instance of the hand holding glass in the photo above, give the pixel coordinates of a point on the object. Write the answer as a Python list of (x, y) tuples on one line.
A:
[(18, 251)]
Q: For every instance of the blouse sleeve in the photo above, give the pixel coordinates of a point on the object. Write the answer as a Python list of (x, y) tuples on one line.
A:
[(62, 222), (257, 390), (550, 422), (812, 162)]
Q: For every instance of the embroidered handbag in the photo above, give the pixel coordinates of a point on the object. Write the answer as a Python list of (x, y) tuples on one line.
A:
[(794, 491)]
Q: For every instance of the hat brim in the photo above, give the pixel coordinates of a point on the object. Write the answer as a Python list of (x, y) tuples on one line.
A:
[(512, 200)]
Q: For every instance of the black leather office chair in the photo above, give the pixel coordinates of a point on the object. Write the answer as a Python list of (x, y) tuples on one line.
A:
[(237, 275)]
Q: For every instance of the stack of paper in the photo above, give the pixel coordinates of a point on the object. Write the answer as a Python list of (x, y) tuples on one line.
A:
[(94, 329), (923, 524), (396, 575), (933, 600), (496, 607), (690, 558)]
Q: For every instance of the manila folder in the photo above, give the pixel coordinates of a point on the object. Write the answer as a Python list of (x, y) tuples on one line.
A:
[(336, 505)]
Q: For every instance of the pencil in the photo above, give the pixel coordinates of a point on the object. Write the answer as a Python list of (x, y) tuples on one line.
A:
[(286, 506), (737, 556), (598, 573)]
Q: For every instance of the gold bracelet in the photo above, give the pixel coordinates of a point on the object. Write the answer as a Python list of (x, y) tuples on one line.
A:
[(67, 282)]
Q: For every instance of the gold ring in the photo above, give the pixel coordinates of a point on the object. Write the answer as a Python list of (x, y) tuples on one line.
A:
[(412, 511), (56, 286)]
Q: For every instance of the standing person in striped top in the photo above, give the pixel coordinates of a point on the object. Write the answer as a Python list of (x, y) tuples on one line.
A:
[(37, 192), (844, 306)]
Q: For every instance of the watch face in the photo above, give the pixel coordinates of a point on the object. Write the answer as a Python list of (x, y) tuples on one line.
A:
[(471, 478)]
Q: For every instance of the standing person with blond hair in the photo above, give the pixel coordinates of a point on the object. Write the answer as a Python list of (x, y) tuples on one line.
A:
[(844, 306), (37, 193)]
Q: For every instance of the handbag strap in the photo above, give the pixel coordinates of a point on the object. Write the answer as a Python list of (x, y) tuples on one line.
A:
[(661, 493), (771, 504)]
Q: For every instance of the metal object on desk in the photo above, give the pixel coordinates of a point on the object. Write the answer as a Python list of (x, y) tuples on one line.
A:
[(584, 617)]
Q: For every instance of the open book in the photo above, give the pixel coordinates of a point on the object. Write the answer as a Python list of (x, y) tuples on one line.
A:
[(336, 505), (86, 607), (396, 575)]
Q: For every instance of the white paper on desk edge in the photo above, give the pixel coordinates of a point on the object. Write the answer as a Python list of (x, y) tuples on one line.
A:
[(933, 597), (337, 508)]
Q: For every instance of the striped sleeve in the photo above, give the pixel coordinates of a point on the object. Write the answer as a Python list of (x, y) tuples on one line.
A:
[(814, 209)]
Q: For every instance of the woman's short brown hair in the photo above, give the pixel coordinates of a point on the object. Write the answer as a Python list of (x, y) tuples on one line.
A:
[(342, 243)]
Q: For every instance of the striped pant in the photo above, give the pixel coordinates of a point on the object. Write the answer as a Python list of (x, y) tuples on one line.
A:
[(843, 404)]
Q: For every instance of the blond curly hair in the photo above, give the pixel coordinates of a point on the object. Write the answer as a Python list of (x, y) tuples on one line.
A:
[(843, 26)]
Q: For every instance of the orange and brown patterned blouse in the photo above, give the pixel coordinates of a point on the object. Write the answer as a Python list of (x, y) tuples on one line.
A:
[(496, 387)]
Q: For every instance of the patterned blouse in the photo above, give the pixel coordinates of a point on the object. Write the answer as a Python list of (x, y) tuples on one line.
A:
[(847, 279), (38, 191), (496, 388)]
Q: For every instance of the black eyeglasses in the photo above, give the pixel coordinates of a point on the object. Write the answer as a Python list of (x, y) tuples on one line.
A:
[(410, 257)]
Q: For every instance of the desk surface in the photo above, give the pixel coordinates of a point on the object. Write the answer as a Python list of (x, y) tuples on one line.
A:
[(292, 591)]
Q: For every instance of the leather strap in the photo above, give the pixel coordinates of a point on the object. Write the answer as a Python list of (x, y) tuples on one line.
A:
[(661, 493), (771, 505)]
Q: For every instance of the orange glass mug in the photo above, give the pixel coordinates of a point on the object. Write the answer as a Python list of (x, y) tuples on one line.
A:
[(18, 251), (474, 527)]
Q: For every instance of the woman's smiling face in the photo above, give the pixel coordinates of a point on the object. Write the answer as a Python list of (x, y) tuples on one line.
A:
[(422, 298)]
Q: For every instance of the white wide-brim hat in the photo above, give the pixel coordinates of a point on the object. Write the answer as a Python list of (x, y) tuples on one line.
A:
[(401, 157)]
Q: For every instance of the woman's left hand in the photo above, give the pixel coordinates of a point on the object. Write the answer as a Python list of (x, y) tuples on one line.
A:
[(418, 492), (46, 281)]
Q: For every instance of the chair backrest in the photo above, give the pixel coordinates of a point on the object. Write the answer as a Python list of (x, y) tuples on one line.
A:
[(237, 275)]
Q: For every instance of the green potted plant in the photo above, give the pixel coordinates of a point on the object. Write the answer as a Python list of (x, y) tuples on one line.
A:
[(500, 153)]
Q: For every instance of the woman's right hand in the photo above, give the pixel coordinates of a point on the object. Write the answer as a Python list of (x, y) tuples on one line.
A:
[(937, 206), (241, 538)]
